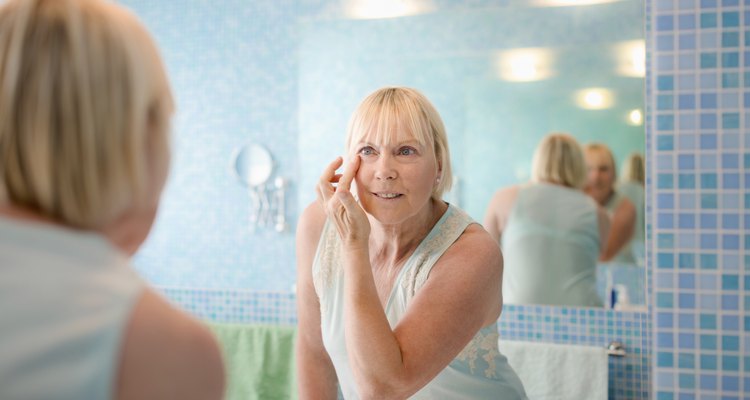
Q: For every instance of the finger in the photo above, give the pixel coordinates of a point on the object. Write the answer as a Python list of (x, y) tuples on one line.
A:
[(335, 178), (325, 188), (347, 200), (319, 194), (330, 170), (325, 191), (350, 171)]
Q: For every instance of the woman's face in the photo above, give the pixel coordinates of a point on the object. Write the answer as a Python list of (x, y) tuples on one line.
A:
[(600, 175), (395, 180)]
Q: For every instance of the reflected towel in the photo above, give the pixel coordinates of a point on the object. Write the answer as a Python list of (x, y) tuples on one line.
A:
[(259, 360), (558, 372)]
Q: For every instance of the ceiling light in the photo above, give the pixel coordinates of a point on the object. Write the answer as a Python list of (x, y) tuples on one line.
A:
[(373, 9), (568, 3), (635, 117), (631, 58), (594, 98), (524, 65)]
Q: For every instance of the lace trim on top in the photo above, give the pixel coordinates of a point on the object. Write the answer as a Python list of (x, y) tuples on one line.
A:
[(327, 264), (486, 343), (431, 250), (483, 346)]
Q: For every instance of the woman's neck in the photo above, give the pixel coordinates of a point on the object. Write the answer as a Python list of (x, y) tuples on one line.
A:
[(27, 215), (126, 233), (394, 242)]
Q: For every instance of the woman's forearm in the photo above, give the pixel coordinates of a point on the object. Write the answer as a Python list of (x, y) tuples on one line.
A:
[(374, 352), (316, 377)]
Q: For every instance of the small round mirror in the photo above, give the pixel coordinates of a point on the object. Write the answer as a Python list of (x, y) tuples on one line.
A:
[(252, 164)]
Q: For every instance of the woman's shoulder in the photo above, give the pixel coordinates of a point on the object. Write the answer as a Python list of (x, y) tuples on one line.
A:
[(507, 194), (163, 346), (311, 223), (474, 246)]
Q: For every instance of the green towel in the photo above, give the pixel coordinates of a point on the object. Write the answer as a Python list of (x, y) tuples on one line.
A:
[(259, 360)]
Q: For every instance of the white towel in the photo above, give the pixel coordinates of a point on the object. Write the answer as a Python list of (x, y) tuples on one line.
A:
[(558, 372)]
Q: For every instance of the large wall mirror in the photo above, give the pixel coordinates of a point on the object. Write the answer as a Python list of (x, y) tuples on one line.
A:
[(502, 74)]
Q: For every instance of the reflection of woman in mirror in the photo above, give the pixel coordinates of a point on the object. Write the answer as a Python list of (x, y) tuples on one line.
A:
[(600, 185), (398, 293), (550, 231), (631, 185), (85, 109)]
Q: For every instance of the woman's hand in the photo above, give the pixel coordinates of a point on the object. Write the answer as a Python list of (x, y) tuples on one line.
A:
[(339, 204)]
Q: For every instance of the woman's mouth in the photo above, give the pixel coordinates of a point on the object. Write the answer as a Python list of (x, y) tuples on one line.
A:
[(388, 196)]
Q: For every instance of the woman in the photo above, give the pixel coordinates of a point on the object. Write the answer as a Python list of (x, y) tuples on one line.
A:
[(551, 232), (399, 292), (600, 185), (631, 185), (84, 153)]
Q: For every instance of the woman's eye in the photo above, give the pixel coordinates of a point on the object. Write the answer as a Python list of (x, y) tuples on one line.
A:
[(406, 151), (367, 151)]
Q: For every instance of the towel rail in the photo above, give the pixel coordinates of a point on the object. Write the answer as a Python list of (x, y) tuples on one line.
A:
[(616, 349)]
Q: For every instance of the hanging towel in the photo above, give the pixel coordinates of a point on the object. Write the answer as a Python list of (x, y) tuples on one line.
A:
[(259, 360), (558, 372)]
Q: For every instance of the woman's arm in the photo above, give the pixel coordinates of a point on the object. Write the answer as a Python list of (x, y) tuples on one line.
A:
[(462, 294), (603, 222), (166, 354), (316, 377), (622, 228), (498, 211)]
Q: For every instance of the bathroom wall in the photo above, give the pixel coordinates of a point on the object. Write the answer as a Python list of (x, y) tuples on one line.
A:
[(699, 163), (235, 70), (233, 67)]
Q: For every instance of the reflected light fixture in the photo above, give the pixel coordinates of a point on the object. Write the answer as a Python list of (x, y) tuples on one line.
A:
[(568, 3), (635, 117), (524, 65), (594, 98), (374, 9), (631, 58)]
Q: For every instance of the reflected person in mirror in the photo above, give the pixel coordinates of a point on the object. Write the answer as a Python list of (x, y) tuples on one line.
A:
[(632, 185), (398, 292), (601, 177), (551, 233), (85, 108)]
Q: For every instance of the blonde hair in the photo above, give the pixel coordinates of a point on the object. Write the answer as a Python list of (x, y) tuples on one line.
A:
[(602, 148), (410, 115), (634, 169), (558, 159), (84, 109)]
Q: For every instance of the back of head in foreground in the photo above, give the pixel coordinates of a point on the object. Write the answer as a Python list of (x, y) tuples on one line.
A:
[(84, 119)]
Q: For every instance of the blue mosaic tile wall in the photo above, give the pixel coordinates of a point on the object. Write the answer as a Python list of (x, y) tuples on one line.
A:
[(699, 156), (233, 69), (628, 376)]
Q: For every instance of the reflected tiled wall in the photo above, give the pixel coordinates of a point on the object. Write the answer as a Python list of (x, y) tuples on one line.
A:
[(699, 154)]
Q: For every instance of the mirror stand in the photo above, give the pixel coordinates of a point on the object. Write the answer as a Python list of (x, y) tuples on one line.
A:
[(252, 165)]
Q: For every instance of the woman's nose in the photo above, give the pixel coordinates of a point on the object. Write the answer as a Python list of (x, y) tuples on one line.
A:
[(384, 169)]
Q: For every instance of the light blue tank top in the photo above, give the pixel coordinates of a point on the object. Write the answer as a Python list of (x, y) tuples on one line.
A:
[(65, 300), (478, 372), (634, 251), (551, 245)]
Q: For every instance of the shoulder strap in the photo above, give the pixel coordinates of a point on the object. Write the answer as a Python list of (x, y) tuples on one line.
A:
[(448, 229), (326, 262)]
